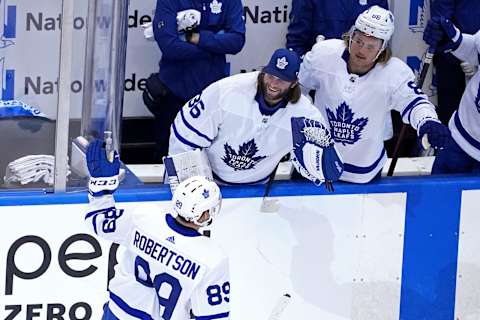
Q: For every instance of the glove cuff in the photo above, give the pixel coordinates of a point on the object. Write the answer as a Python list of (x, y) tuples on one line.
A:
[(99, 186), (424, 121)]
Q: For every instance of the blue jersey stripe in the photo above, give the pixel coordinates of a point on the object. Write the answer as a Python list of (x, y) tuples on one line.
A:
[(471, 140), (93, 213), (417, 101), (108, 314), (139, 314), (410, 106), (189, 126), (214, 316), (355, 169), (183, 140)]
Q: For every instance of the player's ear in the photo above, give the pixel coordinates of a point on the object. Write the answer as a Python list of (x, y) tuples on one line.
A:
[(204, 217), (294, 84)]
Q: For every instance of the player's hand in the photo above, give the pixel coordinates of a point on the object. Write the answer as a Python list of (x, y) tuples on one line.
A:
[(441, 33), (314, 155), (469, 69), (103, 173), (188, 20), (437, 133)]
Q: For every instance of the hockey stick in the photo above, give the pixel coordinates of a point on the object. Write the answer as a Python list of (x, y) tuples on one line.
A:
[(269, 205), (282, 303), (427, 60)]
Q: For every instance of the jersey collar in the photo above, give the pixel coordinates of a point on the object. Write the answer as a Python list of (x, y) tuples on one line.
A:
[(177, 227)]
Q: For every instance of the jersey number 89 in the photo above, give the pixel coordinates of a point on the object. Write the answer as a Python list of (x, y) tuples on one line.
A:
[(217, 294)]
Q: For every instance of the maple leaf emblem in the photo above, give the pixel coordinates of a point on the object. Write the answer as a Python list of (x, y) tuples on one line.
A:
[(345, 129), (282, 63), (216, 7), (245, 158), (206, 193)]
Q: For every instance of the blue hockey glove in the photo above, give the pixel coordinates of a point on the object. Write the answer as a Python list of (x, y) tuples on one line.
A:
[(103, 173), (437, 133), (442, 34), (314, 155)]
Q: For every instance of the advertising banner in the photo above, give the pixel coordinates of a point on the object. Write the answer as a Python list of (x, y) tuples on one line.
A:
[(338, 257)]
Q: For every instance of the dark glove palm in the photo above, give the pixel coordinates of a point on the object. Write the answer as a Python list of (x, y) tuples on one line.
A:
[(441, 33), (97, 162)]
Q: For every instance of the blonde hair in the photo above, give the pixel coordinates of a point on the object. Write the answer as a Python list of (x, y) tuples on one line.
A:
[(384, 56)]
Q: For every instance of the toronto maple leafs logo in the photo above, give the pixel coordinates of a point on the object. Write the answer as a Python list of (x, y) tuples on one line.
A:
[(245, 158), (345, 129), (206, 193), (282, 63), (216, 7)]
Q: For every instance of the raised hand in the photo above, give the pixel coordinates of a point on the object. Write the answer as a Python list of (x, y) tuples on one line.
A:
[(103, 173)]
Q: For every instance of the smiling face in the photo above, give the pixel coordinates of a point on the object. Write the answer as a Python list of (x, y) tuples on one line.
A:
[(364, 51), (275, 89)]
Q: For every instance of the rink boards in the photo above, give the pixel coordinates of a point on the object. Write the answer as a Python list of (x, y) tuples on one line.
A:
[(405, 248)]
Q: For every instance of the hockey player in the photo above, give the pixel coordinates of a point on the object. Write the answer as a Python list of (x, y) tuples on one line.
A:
[(357, 83), (248, 122), (169, 270), (462, 153)]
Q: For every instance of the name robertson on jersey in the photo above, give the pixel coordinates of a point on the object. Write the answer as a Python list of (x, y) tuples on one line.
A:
[(166, 256)]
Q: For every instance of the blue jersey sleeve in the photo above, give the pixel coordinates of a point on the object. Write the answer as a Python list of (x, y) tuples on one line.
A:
[(300, 36), (167, 37), (443, 8), (231, 38)]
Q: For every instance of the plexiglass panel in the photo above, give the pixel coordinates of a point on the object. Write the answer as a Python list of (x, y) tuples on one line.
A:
[(29, 65), (30, 60)]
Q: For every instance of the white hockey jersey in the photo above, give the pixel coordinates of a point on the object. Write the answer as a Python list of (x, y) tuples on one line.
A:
[(465, 122), (243, 144), (166, 270), (357, 106)]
